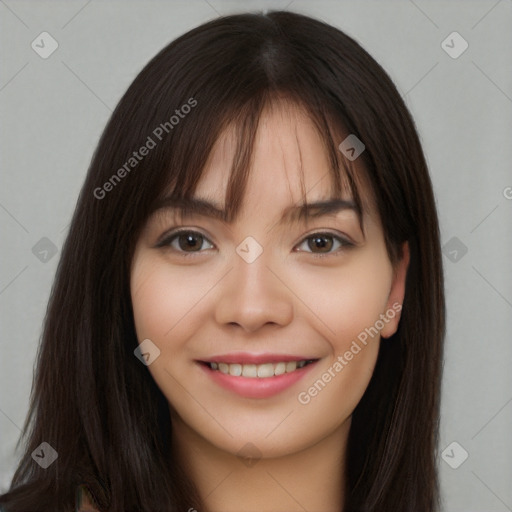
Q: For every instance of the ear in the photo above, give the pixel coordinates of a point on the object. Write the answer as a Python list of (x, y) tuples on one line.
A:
[(396, 294)]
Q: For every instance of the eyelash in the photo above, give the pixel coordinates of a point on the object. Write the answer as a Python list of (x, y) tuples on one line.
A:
[(167, 240)]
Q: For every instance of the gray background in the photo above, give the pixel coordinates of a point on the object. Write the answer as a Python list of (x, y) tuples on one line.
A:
[(53, 111)]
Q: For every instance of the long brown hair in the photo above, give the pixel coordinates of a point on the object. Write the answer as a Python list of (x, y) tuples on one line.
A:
[(94, 402)]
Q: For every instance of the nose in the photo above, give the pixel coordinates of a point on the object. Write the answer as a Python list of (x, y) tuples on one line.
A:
[(253, 295)]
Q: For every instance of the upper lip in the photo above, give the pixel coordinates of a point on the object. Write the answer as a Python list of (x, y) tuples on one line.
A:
[(248, 358)]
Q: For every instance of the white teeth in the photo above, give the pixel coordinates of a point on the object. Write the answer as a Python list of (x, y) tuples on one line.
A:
[(291, 366), (249, 370), (280, 369), (266, 370), (235, 370), (261, 371)]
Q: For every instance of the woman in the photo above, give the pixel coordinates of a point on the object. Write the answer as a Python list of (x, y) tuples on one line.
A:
[(249, 311)]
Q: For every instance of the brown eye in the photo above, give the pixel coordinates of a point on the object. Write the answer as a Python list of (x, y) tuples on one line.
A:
[(323, 243), (186, 242), (190, 241)]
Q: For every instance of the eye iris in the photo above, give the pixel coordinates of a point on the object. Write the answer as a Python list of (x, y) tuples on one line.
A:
[(322, 242), (190, 241)]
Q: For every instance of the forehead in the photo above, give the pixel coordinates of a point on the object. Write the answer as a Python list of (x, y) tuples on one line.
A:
[(290, 164), (287, 154)]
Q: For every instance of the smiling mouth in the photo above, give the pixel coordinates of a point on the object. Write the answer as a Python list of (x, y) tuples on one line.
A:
[(258, 371)]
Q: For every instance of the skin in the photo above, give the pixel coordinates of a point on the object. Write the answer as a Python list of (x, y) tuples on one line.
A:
[(286, 301)]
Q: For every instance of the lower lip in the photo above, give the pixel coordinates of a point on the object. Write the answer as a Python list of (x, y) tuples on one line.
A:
[(257, 387)]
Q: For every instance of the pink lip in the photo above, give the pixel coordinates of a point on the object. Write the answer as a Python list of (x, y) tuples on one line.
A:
[(257, 387), (247, 358)]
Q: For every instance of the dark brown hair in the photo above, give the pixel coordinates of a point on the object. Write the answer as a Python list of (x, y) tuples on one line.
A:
[(94, 402)]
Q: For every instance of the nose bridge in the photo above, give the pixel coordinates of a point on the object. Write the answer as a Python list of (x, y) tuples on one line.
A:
[(252, 295), (253, 275)]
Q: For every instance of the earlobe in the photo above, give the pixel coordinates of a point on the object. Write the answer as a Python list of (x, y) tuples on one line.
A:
[(396, 294)]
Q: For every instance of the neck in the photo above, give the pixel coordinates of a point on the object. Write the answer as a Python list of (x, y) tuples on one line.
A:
[(310, 479)]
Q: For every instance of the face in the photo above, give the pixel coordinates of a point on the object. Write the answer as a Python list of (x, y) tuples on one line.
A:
[(268, 327)]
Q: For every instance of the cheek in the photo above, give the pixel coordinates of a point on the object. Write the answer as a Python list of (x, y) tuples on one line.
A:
[(348, 305), (165, 301), (167, 309), (347, 300), (153, 306)]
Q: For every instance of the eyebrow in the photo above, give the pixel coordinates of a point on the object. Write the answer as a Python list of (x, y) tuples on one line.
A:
[(294, 213)]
